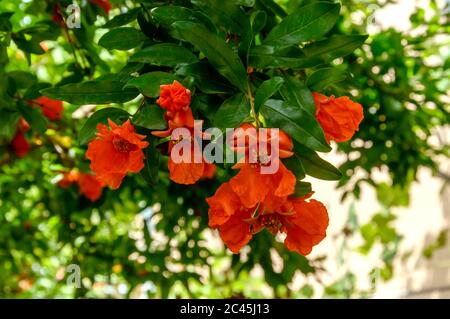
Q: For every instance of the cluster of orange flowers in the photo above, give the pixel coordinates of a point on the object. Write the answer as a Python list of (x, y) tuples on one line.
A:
[(251, 201)]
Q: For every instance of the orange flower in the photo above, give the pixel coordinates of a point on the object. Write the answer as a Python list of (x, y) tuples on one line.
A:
[(209, 171), (250, 184), (185, 171), (104, 4), (52, 109), (174, 97), (20, 145), (115, 152), (303, 222), (69, 178), (183, 118), (339, 117), (90, 187)]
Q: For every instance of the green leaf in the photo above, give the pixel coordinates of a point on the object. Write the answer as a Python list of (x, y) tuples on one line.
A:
[(322, 78), (232, 112), (308, 23), (273, 7), (5, 24), (219, 54), (34, 116), (125, 38), (314, 165), (22, 79), (245, 3), (149, 83), (206, 78), (267, 90), (33, 92), (8, 123), (152, 158), (294, 164), (225, 14), (89, 128), (298, 123), (122, 19), (151, 117), (166, 54), (302, 189), (166, 15), (296, 93), (92, 92), (332, 48)]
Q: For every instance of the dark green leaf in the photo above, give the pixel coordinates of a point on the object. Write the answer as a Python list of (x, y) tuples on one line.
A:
[(8, 123), (33, 92), (149, 83), (245, 3), (89, 128), (207, 78), (322, 78), (125, 38), (296, 93), (225, 14), (166, 54), (314, 165), (152, 158), (225, 60), (294, 164), (298, 123), (302, 189), (22, 79), (34, 116), (151, 117), (92, 92), (232, 112), (122, 19), (308, 23), (335, 47), (266, 90), (166, 15), (273, 7)]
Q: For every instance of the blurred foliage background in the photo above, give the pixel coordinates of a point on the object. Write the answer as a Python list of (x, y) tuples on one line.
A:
[(143, 241)]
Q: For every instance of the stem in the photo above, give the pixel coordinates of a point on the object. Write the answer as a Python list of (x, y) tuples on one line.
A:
[(252, 105)]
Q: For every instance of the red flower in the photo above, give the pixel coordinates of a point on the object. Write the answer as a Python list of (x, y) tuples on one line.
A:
[(185, 170), (209, 171), (339, 117), (250, 184), (90, 187), (20, 145), (104, 4), (69, 178), (174, 97), (52, 109), (303, 222), (115, 152)]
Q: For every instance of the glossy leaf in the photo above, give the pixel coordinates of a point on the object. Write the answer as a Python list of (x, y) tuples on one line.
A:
[(314, 165), (151, 117), (92, 92), (298, 123), (149, 83), (125, 38), (267, 90), (308, 23), (219, 54), (232, 112), (226, 14), (165, 54), (322, 78), (296, 93)]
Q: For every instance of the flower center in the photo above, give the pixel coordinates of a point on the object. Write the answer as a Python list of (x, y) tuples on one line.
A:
[(122, 145), (271, 222)]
